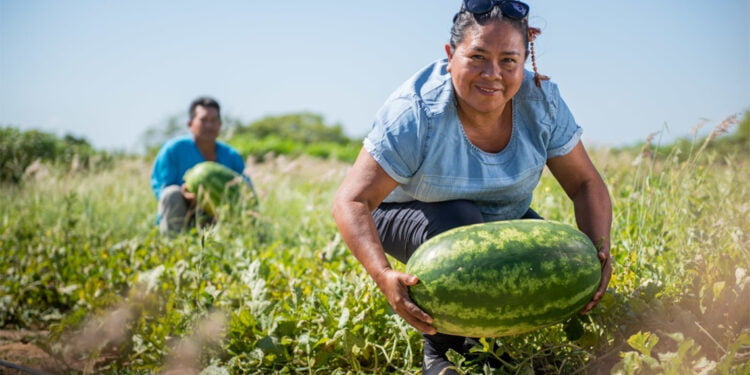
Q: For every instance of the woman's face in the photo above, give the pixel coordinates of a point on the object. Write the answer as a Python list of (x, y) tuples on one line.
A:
[(487, 67)]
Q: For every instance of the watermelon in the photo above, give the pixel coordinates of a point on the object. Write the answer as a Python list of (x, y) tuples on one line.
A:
[(212, 183), (504, 278)]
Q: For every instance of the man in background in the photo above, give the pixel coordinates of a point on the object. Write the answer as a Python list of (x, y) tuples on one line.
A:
[(176, 156)]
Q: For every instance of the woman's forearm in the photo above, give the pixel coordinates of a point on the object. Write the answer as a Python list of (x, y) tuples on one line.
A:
[(593, 211), (357, 228), (365, 186)]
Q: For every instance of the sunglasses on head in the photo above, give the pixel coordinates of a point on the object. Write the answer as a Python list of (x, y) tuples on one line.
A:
[(510, 8)]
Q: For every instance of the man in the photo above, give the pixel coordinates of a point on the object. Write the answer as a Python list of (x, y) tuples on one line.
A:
[(178, 155)]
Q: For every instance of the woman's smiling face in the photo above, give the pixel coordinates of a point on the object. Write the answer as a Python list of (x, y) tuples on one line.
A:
[(487, 67)]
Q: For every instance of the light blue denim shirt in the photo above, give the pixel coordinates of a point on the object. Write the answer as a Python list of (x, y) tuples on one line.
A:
[(418, 140)]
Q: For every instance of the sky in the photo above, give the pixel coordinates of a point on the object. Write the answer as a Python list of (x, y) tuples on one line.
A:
[(108, 70)]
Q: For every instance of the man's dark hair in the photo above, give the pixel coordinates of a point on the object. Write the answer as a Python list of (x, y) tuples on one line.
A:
[(204, 101)]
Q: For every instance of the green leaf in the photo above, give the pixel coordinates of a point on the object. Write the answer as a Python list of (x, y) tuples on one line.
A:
[(643, 342), (455, 357), (573, 329), (270, 346)]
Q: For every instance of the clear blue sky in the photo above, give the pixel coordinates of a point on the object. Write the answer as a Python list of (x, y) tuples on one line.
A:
[(107, 70)]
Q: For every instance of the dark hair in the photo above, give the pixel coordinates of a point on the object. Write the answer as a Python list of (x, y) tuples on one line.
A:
[(203, 101), (464, 20)]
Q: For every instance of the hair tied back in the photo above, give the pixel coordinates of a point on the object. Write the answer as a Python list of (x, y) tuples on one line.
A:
[(538, 78)]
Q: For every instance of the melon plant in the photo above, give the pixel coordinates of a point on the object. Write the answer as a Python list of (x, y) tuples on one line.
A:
[(213, 184), (504, 278)]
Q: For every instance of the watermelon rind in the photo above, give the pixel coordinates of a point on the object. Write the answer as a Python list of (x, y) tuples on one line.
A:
[(213, 184), (504, 278)]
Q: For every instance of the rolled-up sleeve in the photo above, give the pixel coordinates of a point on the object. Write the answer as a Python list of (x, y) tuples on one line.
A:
[(394, 140), (565, 133)]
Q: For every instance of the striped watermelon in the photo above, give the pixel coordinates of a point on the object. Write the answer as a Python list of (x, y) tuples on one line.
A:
[(504, 278), (212, 183)]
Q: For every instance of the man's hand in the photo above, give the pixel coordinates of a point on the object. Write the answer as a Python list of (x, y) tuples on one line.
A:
[(606, 259), (394, 285), (190, 197)]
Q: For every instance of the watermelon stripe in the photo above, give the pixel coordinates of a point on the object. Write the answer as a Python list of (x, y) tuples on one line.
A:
[(511, 310), (502, 278)]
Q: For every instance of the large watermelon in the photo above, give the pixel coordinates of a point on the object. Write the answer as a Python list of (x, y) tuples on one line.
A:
[(212, 183), (504, 278)]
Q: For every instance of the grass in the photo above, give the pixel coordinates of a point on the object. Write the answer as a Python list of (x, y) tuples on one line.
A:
[(276, 291)]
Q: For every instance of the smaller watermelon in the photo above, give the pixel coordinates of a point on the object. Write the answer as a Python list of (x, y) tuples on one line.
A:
[(213, 184), (504, 278)]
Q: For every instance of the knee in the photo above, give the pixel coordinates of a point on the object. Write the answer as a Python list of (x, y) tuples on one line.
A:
[(171, 195)]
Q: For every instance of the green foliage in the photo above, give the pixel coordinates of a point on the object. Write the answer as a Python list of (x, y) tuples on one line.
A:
[(293, 135), (305, 128), (682, 257), (743, 130), (80, 256), (260, 149), (686, 357), (19, 149)]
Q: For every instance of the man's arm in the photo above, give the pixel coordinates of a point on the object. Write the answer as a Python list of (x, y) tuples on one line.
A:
[(164, 172)]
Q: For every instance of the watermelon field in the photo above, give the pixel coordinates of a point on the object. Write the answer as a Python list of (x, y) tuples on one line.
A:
[(88, 286)]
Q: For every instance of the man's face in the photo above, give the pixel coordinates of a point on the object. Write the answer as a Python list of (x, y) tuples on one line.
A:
[(205, 124)]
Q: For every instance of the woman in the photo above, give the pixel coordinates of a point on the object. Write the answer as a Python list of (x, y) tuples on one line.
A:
[(465, 141)]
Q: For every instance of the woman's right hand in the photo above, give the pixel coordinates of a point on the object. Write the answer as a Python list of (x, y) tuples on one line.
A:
[(364, 188), (394, 285)]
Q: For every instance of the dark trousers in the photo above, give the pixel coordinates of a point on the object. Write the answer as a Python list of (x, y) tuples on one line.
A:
[(404, 226)]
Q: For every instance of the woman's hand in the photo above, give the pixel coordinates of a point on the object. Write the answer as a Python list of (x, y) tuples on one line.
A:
[(606, 259), (394, 285)]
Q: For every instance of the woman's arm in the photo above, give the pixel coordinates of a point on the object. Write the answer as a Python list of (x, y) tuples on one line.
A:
[(363, 189), (593, 208)]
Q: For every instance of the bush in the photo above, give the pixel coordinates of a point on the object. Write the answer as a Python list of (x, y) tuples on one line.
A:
[(342, 152), (19, 149), (294, 134), (303, 127), (259, 149)]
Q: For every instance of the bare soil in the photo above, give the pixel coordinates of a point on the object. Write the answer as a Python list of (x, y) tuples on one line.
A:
[(20, 347)]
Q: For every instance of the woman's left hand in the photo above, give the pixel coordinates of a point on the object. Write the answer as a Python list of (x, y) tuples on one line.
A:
[(606, 259), (581, 181)]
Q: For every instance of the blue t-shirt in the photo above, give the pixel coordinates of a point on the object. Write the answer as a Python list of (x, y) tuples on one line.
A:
[(178, 155), (417, 138)]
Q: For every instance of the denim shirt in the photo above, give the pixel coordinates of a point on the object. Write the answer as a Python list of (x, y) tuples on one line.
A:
[(418, 139)]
